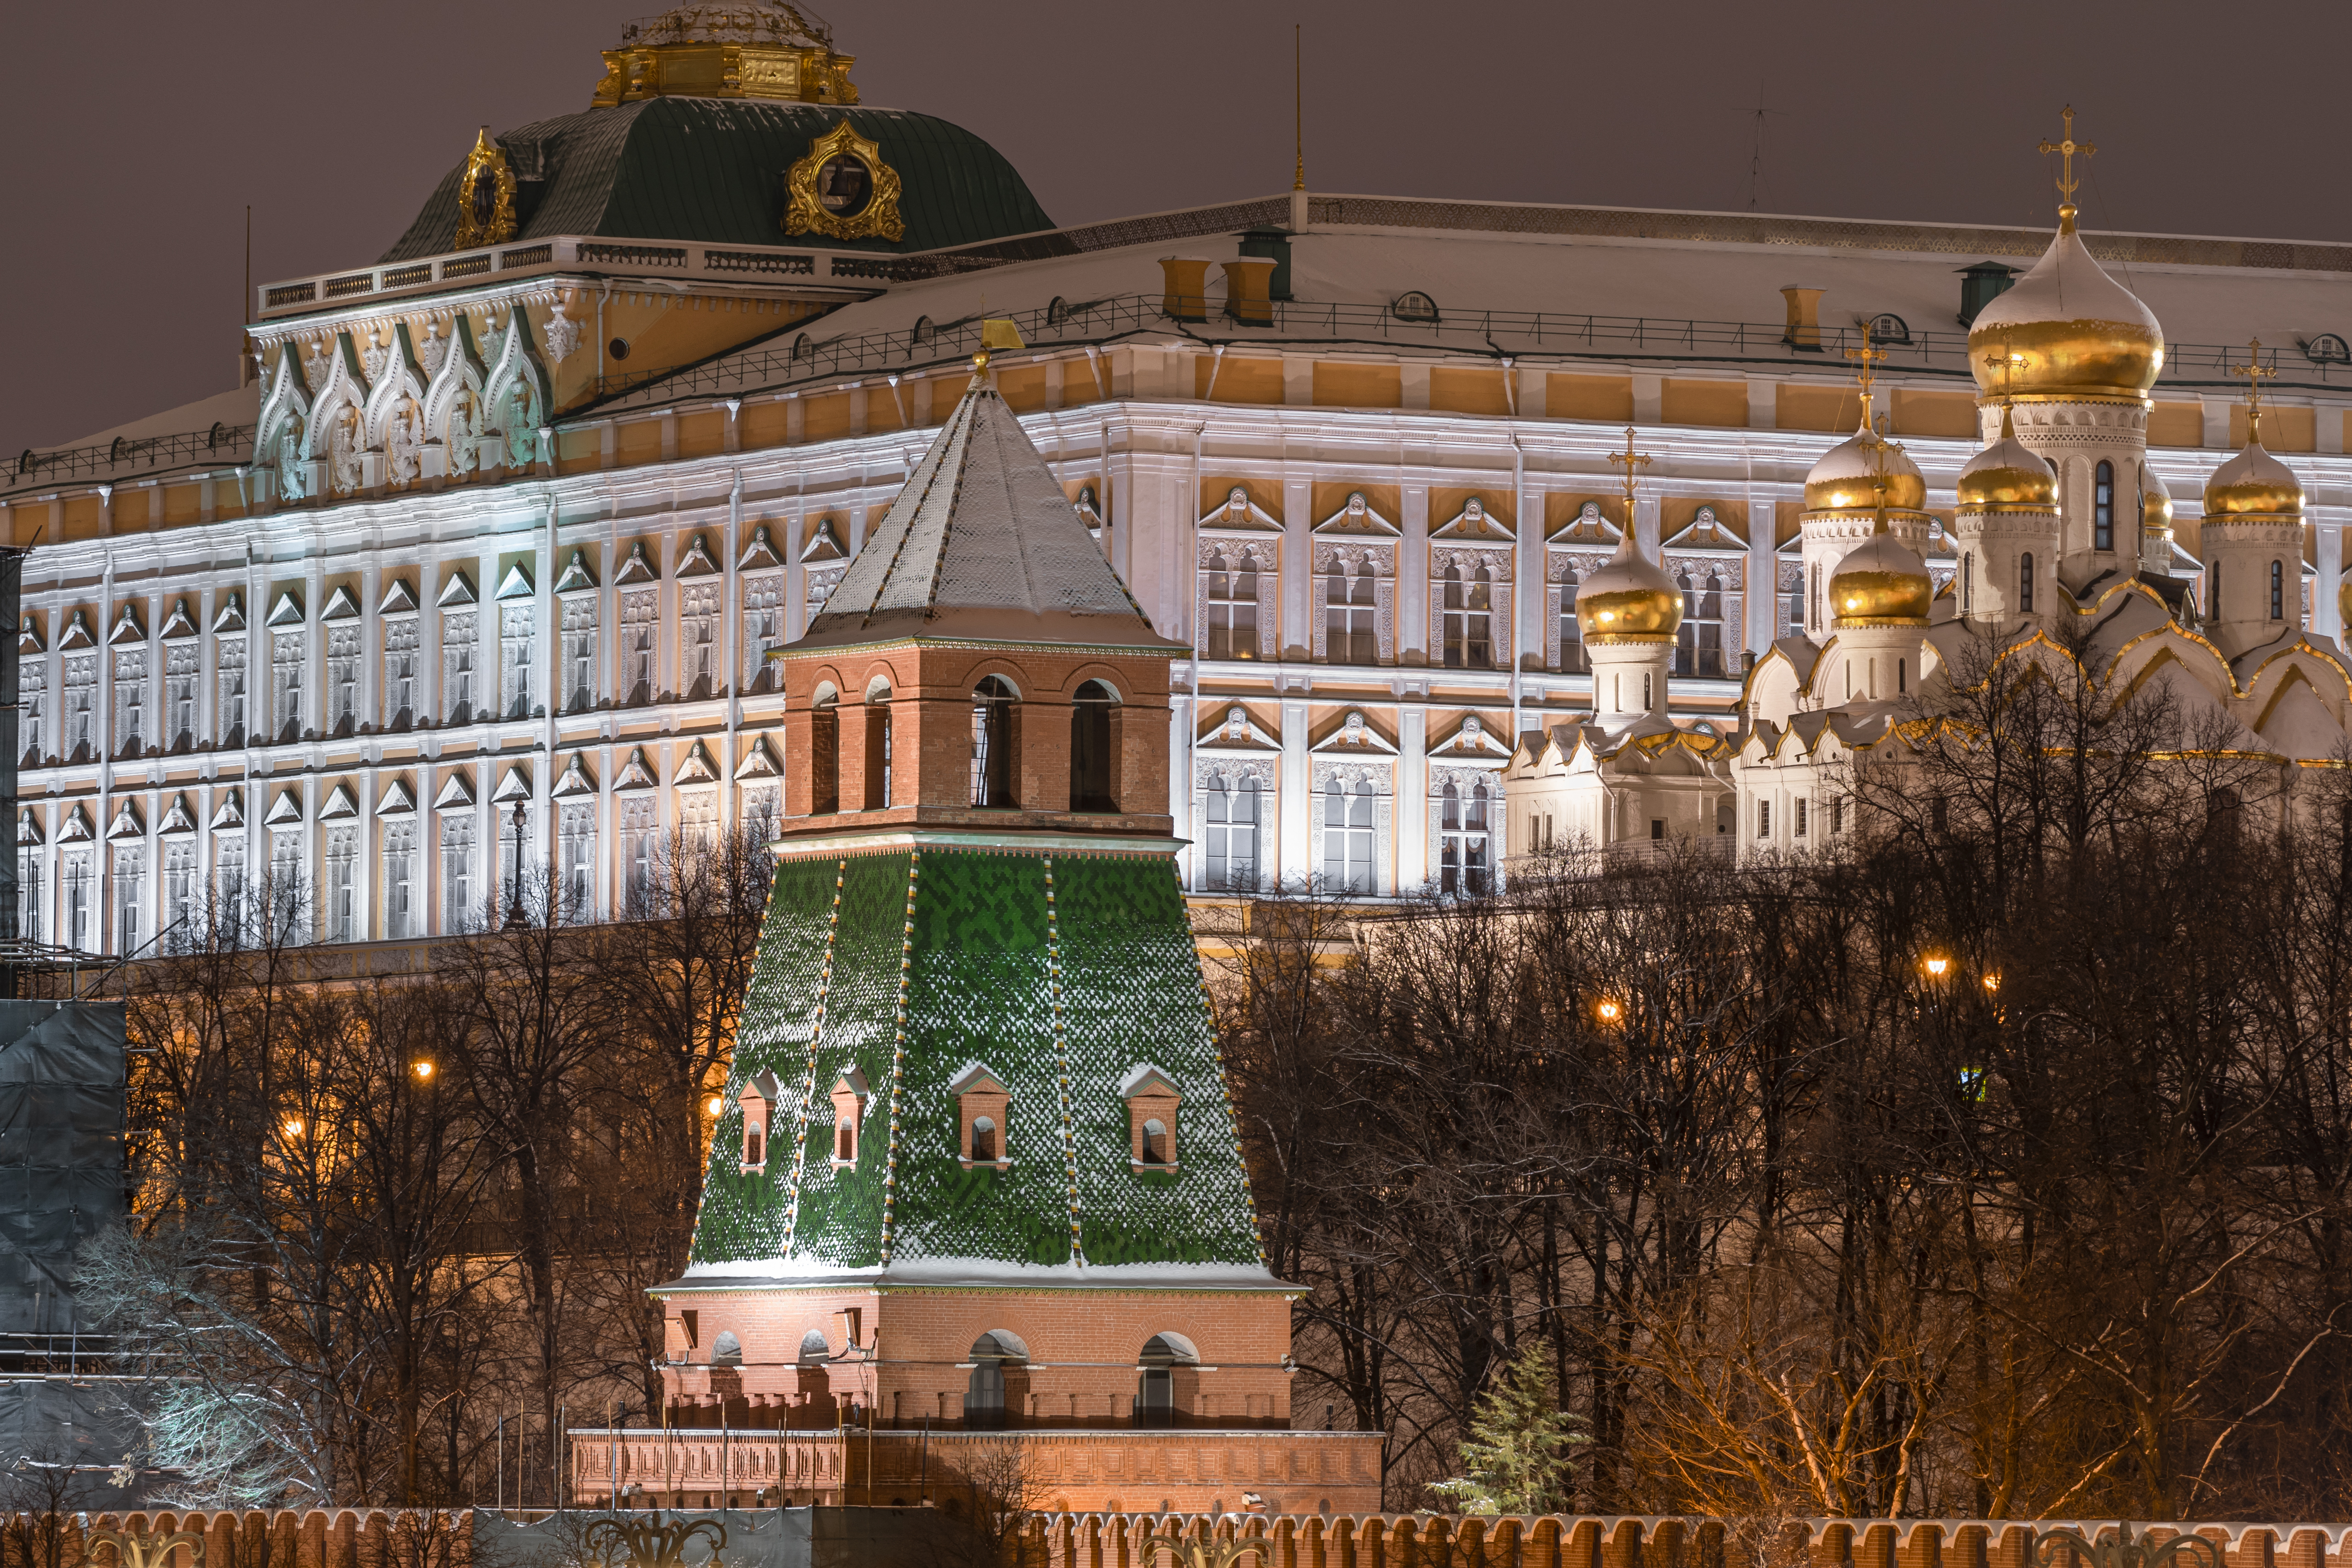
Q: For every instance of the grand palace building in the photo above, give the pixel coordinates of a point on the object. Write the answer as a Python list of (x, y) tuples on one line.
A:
[(502, 529)]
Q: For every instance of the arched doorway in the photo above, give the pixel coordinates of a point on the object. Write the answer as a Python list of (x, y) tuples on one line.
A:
[(991, 741), (1091, 770), (1167, 1378), (997, 1393)]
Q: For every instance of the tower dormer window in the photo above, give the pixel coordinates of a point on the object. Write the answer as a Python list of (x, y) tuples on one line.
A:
[(1151, 1106), (758, 1099), (982, 1104), (849, 1096)]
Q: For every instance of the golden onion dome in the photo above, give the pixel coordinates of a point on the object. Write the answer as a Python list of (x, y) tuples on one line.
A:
[(2068, 331), (1845, 478), (2254, 484), (1630, 600), (1881, 582), (2155, 503), (2009, 475)]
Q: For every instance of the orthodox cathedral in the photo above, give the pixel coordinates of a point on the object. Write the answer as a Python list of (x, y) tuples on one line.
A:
[(493, 556)]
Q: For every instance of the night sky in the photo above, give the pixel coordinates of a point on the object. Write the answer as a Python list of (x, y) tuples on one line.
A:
[(137, 131)]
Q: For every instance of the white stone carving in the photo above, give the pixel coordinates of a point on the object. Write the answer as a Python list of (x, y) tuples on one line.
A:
[(563, 335)]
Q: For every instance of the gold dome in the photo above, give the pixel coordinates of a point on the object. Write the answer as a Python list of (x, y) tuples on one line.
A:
[(2254, 484), (1630, 600), (2069, 332), (1881, 582), (2009, 476), (2155, 503), (1844, 479)]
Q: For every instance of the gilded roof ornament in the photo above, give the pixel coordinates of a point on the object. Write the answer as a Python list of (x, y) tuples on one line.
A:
[(763, 48), (1631, 599), (2066, 147)]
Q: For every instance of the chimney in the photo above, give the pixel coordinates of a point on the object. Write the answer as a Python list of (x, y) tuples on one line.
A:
[(1185, 287), (1980, 286), (1805, 330), (1246, 280)]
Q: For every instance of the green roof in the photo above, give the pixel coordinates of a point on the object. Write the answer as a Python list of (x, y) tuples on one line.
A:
[(712, 170), (1062, 973)]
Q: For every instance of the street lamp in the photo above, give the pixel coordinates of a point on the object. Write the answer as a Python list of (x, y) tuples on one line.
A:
[(516, 918), (1936, 967), (425, 1071), (1609, 1012)]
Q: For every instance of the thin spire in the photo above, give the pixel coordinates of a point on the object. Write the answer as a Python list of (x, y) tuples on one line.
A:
[(1298, 102), (2254, 371)]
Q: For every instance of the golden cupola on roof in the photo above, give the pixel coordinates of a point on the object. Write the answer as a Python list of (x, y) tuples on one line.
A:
[(2009, 476), (1630, 600), (2254, 484), (2068, 333), (1881, 582), (2155, 503), (1846, 477)]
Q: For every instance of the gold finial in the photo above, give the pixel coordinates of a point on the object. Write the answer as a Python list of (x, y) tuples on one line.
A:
[(1631, 462), (2254, 371), (2067, 184), (1865, 368), (997, 332)]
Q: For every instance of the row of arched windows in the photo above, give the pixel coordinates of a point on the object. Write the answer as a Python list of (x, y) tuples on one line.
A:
[(993, 745)]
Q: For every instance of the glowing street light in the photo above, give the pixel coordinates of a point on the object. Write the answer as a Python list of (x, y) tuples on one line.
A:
[(1610, 1012), (424, 1071), (1993, 982), (293, 1127), (1937, 966), (714, 1105)]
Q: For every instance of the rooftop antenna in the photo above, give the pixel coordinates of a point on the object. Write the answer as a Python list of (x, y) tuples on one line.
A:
[(1298, 102), (244, 305), (2067, 184), (1756, 147)]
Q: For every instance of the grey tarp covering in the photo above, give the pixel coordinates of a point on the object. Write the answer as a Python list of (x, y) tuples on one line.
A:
[(756, 1538), (61, 1095)]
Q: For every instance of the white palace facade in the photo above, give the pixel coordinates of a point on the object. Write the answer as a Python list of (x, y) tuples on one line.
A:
[(509, 520)]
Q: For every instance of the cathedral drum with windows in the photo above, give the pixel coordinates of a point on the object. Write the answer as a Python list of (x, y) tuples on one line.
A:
[(976, 1190)]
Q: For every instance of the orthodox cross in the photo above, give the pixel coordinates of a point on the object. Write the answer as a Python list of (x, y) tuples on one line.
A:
[(2066, 148), (1632, 462), (2008, 363), (2254, 371)]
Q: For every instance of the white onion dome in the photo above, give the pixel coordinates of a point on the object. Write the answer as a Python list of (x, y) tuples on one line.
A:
[(2069, 330), (2155, 503), (1845, 478), (1881, 582), (1629, 600), (2254, 484), (2009, 476)]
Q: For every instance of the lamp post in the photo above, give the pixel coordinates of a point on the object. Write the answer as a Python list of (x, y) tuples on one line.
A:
[(516, 918)]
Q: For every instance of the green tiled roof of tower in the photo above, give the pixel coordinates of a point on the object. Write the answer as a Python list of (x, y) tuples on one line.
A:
[(1052, 970)]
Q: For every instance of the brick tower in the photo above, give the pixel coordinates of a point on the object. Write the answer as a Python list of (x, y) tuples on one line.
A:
[(975, 1198)]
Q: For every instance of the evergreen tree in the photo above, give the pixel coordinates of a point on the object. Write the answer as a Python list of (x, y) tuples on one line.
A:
[(1515, 1458)]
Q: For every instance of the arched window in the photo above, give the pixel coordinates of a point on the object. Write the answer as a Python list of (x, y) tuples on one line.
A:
[(1233, 605), (1813, 602), (2278, 591), (1091, 770), (824, 753), (1968, 583), (2103, 507), (845, 1144), (1155, 1141), (727, 1349), (983, 1139), (815, 1350), (1571, 636), (1686, 634), (1710, 627), (2213, 591), (991, 741), (1350, 600), (877, 744), (1463, 844), (1469, 643), (755, 1152), (1233, 835), (1348, 838), (2025, 582), (1157, 1401), (999, 1382)]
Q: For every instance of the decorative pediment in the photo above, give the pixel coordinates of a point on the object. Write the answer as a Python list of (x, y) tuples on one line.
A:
[(126, 822), (1705, 531), (824, 545), (1356, 516), (28, 637), (340, 606), (1472, 524), (1587, 527), (29, 826), (231, 617), (399, 599), (338, 803), (77, 828), (977, 1075), (760, 553), (178, 820), (577, 575), (637, 568), (1239, 514), (576, 779), (230, 813), (458, 590), (1236, 730), (287, 807), (695, 562), (637, 773), (77, 633), (398, 800), (516, 583), (126, 626), (697, 767), (177, 625), (457, 791), (1354, 736), (1471, 742), (759, 763), (1144, 1077), (287, 611), (515, 785)]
